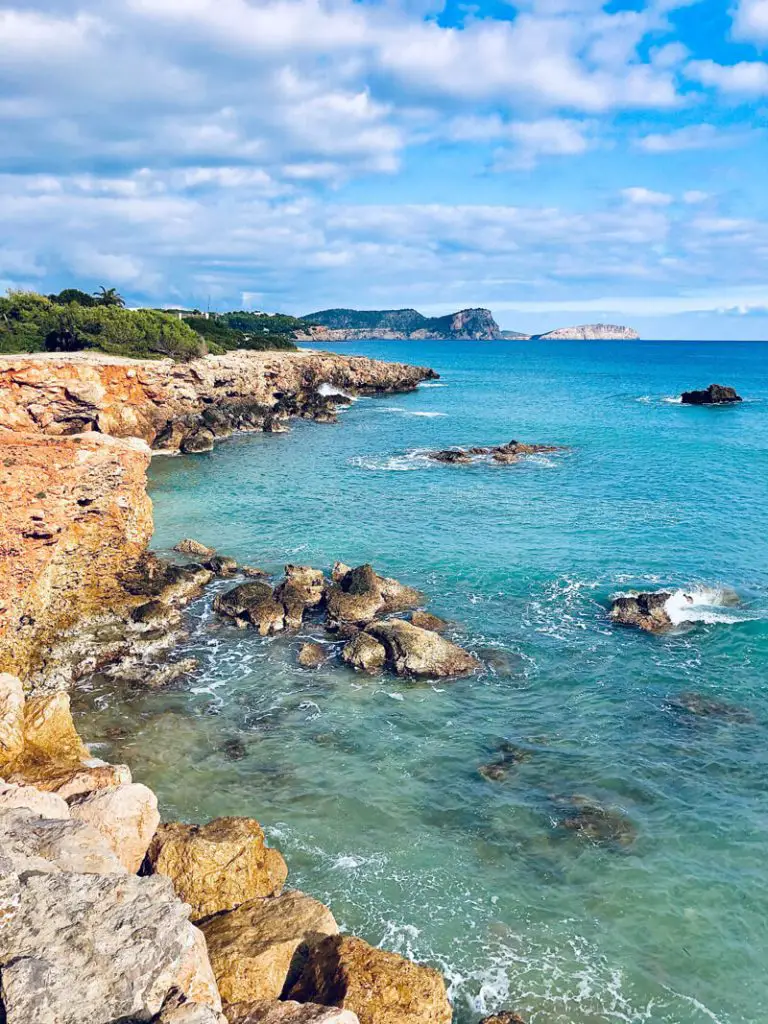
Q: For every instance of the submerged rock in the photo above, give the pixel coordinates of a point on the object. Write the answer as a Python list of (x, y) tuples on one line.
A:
[(380, 987), (508, 757), (257, 949), (703, 706), (411, 651), (715, 394), (365, 652), (311, 655), (604, 826), (188, 546), (217, 866), (645, 610)]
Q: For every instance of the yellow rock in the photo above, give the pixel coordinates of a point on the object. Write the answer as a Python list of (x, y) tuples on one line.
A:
[(11, 717), (217, 866), (380, 987), (253, 949), (49, 732)]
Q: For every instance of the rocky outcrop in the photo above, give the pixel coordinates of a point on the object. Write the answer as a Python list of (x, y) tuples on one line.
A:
[(126, 816), (360, 595), (217, 866), (364, 652), (184, 406), (411, 651), (399, 324), (380, 987), (715, 394), (257, 949), (644, 610), (74, 513), (312, 655), (590, 332), (511, 452)]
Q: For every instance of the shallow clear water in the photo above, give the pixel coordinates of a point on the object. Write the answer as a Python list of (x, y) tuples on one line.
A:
[(371, 786)]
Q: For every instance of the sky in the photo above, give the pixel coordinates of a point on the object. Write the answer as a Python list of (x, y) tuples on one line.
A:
[(557, 161)]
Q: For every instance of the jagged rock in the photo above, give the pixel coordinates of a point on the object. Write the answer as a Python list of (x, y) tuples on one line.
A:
[(425, 620), (254, 604), (11, 717), (255, 950), (200, 440), (419, 652), (93, 949), (312, 655), (253, 571), (452, 456), (380, 987), (222, 565), (165, 675), (164, 581), (287, 1012), (156, 615), (603, 826), (72, 779), (509, 453), (309, 582), (715, 394), (365, 652), (217, 866), (45, 805), (188, 546), (703, 706), (126, 816), (178, 1010), (503, 1017), (195, 979), (49, 732), (645, 610), (359, 595), (36, 843)]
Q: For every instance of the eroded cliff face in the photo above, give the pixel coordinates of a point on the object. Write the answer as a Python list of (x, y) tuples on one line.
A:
[(164, 403), (74, 514)]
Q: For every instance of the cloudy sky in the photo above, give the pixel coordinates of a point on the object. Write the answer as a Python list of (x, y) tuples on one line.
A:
[(558, 161)]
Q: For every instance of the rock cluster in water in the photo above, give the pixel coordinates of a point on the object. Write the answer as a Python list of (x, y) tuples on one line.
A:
[(715, 394), (509, 453), (107, 916), (646, 610)]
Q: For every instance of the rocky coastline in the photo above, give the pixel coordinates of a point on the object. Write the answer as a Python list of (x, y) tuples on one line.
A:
[(174, 923)]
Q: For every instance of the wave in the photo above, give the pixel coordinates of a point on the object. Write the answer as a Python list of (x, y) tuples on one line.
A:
[(705, 604), (409, 412), (329, 390), (416, 459), (433, 384)]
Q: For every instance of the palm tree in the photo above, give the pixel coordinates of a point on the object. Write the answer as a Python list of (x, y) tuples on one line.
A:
[(109, 297)]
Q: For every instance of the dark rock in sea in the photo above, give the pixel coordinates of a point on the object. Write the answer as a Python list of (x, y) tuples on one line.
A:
[(253, 571), (702, 706), (233, 749), (252, 604), (200, 440), (359, 595), (645, 610), (157, 615), (426, 620), (419, 652), (507, 758), (500, 662), (365, 652), (603, 826), (508, 453), (715, 394), (153, 577), (188, 546), (221, 565), (274, 425), (503, 1017), (312, 655)]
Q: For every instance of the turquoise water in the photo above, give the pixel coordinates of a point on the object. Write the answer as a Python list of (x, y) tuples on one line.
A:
[(371, 786)]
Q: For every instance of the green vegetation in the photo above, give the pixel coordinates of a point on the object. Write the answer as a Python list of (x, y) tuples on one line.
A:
[(401, 320), (73, 321), (33, 323)]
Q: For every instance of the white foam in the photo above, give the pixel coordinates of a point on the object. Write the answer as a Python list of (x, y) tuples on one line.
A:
[(432, 384), (428, 415), (703, 604), (329, 390), (673, 399)]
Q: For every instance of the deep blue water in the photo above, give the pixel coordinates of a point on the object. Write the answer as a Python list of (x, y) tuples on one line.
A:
[(371, 786)]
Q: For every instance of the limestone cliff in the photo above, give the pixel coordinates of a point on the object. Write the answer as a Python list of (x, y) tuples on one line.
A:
[(590, 332), (399, 325), (74, 513), (166, 403)]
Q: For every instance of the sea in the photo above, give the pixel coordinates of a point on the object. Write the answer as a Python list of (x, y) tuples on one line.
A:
[(372, 786)]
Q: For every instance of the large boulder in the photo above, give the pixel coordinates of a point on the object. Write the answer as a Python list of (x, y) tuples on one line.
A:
[(412, 651), (308, 582), (380, 987), (71, 779), (364, 652), (252, 604), (645, 610), (11, 717), (312, 655), (715, 394), (92, 949), (189, 546), (126, 816), (287, 1012), (257, 949), (49, 732), (45, 805), (35, 843), (178, 1010), (217, 866), (359, 595)]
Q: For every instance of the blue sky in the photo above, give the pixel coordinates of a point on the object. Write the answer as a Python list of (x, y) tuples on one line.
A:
[(559, 161)]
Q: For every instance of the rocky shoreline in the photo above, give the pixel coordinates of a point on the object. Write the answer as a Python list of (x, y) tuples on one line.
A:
[(108, 916)]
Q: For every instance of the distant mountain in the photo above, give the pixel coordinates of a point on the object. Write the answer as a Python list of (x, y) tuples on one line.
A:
[(354, 324), (590, 332)]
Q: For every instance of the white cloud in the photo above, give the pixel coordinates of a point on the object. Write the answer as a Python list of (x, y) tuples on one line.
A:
[(751, 20), (741, 81), (693, 196), (694, 136), (646, 197)]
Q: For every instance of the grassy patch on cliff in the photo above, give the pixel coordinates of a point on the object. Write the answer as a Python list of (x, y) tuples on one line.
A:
[(73, 322)]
